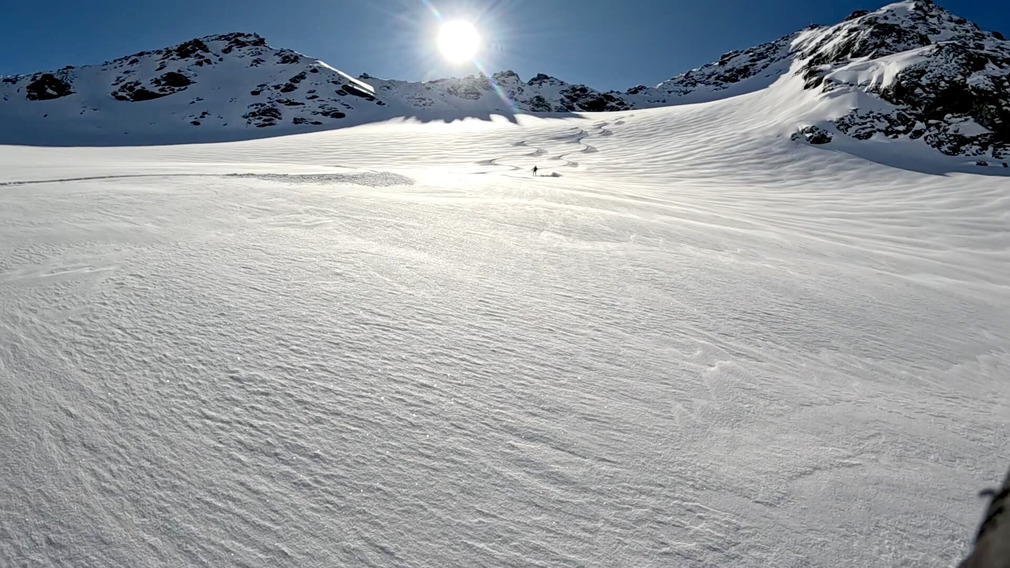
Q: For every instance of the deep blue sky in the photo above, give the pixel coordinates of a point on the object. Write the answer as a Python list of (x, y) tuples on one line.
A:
[(607, 44)]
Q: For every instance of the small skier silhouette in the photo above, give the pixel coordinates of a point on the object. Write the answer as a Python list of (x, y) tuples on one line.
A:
[(534, 171)]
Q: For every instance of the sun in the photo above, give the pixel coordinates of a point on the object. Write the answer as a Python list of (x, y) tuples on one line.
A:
[(458, 41)]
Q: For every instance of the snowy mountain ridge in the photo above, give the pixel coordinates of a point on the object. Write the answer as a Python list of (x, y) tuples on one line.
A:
[(929, 75), (909, 71), (224, 83)]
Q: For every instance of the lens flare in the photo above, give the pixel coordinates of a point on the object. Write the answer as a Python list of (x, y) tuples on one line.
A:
[(458, 41)]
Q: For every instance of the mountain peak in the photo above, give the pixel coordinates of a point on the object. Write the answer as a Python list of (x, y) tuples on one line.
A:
[(930, 76)]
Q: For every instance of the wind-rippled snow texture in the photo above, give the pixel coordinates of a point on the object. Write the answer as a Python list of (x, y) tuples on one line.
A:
[(698, 345)]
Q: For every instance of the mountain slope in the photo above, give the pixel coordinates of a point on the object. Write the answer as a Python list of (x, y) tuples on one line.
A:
[(503, 92), (234, 86), (694, 344), (910, 72), (214, 87)]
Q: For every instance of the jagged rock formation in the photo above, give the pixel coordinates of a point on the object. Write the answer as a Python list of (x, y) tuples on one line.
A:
[(936, 77), (502, 92), (946, 81)]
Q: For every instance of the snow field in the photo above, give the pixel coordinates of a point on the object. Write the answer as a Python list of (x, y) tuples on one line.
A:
[(700, 344)]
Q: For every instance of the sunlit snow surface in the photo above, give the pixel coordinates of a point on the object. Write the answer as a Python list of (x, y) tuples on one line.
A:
[(701, 344)]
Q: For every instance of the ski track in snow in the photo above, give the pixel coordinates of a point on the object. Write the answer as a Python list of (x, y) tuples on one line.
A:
[(703, 345), (371, 179)]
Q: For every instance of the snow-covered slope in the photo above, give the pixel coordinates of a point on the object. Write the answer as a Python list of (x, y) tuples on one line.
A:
[(909, 72), (691, 343), (236, 86), (736, 73), (212, 88)]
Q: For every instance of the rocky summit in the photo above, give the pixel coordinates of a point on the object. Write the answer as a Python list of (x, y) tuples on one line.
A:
[(910, 71), (926, 75), (939, 77)]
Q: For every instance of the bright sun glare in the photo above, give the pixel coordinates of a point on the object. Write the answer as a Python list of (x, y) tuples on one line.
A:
[(458, 41)]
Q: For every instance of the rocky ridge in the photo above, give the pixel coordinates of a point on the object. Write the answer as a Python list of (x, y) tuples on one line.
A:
[(930, 75), (231, 82)]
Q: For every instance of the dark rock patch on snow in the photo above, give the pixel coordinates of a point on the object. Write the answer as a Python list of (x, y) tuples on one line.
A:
[(47, 87), (813, 135), (262, 115)]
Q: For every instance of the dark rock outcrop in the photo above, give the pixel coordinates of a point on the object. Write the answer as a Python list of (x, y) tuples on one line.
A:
[(262, 115), (172, 80), (953, 92), (195, 51), (947, 81), (47, 87), (813, 135), (133, 91), (164, 85), (241, 40), (582, 98)]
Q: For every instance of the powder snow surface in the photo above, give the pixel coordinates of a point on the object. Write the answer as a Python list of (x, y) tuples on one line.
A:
[(692, 342)]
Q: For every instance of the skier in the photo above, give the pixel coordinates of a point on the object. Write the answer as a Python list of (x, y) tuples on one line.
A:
[(534, 171)]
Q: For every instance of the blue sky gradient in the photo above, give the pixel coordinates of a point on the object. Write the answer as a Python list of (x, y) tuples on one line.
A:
[(607, 44)]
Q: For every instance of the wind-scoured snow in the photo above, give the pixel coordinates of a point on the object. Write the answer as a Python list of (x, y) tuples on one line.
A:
[(691, 342)]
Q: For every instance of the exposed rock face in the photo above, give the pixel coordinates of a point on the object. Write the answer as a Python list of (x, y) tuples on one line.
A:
[(582, 98), (133, 91), (941, 78), (166, 84), (240, 40), (504, 91), (172, 80), (262, 114), (951, 86), (47, 87), (813, 134)]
